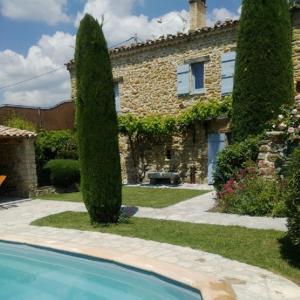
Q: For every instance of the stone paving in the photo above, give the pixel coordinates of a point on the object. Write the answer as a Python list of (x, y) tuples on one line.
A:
[(193, 211), (248, 282)]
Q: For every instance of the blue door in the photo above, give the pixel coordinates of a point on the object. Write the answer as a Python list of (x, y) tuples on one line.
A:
[(216, 143)]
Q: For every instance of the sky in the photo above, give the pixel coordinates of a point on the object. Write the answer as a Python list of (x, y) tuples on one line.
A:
[(38, 37)]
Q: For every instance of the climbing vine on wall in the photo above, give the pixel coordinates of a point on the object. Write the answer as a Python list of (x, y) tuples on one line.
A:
[(157, 125), (141, 130)]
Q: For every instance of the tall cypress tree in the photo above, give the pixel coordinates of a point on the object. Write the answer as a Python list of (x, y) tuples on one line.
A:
[(97, 124), (264, 73)]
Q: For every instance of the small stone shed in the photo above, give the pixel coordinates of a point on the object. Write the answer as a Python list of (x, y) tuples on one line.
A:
[(17, 162)]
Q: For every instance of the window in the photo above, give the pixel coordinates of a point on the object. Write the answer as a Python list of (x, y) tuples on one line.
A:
[(190, 78), (117, 97), (228, 65), (197, 77)]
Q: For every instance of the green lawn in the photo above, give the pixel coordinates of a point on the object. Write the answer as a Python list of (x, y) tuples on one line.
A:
[(139, 196), (263, 248)]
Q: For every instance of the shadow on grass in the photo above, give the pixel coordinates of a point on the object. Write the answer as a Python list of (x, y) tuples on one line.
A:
[(289, 252)]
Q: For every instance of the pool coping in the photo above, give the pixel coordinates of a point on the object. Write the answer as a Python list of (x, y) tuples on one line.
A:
[(208, 287)]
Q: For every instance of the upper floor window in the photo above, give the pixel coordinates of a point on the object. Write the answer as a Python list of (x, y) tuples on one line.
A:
[(197, 77), (117, 97), (228, 66), (190, 78)]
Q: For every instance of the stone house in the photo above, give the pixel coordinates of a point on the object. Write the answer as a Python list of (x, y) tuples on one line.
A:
[(17, 162), (168, 75)]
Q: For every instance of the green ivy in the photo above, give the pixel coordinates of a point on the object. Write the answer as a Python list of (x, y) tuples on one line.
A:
[(154, 125)]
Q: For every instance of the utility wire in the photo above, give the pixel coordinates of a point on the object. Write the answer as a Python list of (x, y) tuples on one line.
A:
[(55, 70), (30, 79)]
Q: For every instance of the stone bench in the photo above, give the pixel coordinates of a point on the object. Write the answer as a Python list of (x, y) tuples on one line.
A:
[(163, 177)]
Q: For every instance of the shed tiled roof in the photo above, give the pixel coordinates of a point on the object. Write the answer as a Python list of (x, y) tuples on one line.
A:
[(170, 38), (8, 132)]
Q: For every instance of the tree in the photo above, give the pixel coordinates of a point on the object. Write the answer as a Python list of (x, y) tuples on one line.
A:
[(97, 124), (264, 74)]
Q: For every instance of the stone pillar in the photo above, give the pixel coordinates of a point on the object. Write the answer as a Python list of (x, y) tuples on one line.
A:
[(295, 12), (271, 153), (71, 68), (197, 14)]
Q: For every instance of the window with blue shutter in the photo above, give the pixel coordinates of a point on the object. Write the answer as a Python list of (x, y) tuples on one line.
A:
[(228, 65), (117, 97), (183, 80), (197, 77)]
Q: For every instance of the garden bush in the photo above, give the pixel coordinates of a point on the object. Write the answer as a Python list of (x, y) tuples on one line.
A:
[(251, 194), (51, 145), (293, 197), (63, 173), (232, 159), (17, 122)]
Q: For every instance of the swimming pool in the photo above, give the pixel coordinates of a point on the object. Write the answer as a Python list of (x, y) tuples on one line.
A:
[(30, 273)]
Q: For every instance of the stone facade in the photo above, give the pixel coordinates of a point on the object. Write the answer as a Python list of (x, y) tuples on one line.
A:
[(147, 76), (17, 162)]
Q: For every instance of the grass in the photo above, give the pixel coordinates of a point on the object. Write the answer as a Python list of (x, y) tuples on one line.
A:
[(139, 196), (267, 249)]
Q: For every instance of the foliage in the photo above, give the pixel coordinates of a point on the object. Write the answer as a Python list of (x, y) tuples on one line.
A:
[(17, 122), (232, 159), (262, 248), (251, 194), (63, 172), (264, 73), (155, 125), (97, 126), (293, 198), (51, 145)]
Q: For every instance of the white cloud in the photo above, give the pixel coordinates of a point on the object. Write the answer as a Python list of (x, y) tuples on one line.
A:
[(120, 23), (50, 53), (222, 14), (49, 11)]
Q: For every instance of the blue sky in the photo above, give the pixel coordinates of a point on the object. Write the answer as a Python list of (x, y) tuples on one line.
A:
[(36, 38)]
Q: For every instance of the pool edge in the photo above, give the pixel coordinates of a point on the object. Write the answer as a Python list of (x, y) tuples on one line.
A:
[(208, 287)]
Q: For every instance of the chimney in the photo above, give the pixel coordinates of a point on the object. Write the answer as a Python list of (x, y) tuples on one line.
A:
[(197, 14)]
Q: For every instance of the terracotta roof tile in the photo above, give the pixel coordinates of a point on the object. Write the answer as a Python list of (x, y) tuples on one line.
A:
[(8, 132)]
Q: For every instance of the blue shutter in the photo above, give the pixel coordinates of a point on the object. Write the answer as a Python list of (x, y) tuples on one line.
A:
[(216, 143), (117, 97), (228, 65), (183, 80)]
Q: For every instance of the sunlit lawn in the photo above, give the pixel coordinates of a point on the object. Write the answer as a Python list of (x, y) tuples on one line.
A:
[(263, 248), (139, 196)]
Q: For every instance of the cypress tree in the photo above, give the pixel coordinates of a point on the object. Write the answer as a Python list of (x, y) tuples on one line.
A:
[(97, 124), (264, 74)]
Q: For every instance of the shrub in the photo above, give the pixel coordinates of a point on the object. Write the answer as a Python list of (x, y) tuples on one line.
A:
[(232, 159), (251, 194), (264, 73), (293, 197), (97, 125), (51, 145), (63, 172), (17, 122)]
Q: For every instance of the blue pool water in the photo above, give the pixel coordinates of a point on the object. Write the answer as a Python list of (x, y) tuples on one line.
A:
[(29, 273)]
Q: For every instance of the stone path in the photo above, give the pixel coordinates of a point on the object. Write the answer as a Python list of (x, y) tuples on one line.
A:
[(194, 211), (248, 282)]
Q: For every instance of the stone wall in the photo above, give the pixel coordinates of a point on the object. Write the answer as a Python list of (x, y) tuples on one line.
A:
[(150, 77), (17, 162), (185, 153)]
